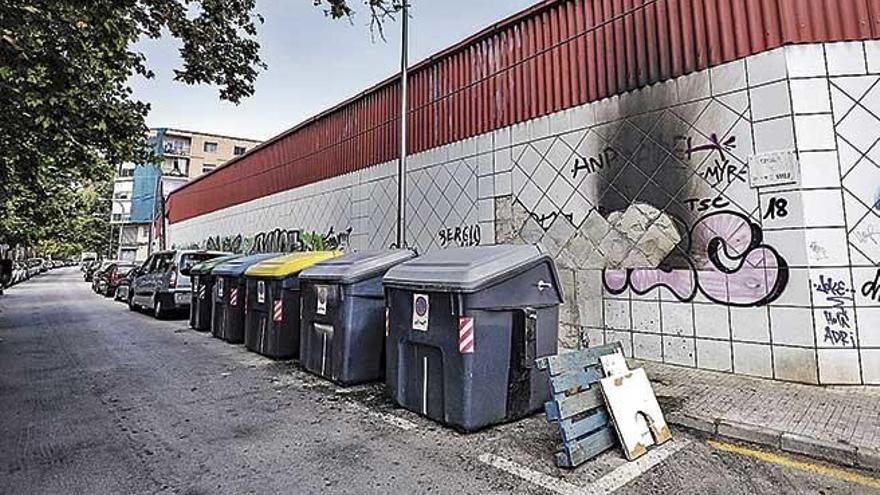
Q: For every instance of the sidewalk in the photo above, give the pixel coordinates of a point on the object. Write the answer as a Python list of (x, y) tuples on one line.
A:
[(837, 424)]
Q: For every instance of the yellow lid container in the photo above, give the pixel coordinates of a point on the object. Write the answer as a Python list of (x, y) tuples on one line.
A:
[(291, 264)]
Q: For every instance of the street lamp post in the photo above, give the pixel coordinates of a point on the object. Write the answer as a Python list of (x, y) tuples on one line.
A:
[(401, 164)]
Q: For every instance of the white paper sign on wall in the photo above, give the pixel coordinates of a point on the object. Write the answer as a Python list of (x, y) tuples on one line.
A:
[(774, 168)]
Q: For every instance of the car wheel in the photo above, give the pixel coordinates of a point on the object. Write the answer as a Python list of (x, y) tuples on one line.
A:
[(158, 308), (131, 305)]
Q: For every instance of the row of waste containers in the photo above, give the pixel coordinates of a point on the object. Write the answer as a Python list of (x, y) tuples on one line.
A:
[(454, 333)]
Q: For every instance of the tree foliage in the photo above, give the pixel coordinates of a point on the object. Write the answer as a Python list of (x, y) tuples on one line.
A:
[(69, 118)]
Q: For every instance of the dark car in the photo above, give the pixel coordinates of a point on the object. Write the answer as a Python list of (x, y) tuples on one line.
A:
[(106, 280), (89, 269), (98, 272), (159, 285)]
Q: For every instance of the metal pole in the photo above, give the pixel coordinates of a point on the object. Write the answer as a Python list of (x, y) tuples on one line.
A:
[(401, 165)]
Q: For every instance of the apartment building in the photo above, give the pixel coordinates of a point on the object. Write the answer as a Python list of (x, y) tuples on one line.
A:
[(184, 156)]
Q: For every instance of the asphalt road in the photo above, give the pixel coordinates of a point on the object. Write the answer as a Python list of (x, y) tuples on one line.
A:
[(97, 399)]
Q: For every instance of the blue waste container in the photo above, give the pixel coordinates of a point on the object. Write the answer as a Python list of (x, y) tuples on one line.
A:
[(342, 333), (227, 322), (465, 326)]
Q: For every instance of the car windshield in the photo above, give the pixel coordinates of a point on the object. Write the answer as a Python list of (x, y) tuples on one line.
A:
[(188, 261)]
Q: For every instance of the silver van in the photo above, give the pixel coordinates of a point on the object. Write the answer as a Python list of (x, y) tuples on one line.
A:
[(158, 284)]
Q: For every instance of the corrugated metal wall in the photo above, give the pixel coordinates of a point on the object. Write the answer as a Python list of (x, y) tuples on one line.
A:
[(556, 55)]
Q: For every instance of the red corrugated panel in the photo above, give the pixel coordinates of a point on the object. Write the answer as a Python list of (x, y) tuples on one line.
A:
[(555, 55)]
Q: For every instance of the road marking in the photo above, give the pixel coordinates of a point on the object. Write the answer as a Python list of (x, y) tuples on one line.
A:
[(612, 481), (548, 482), (811, 467), (398, 422)]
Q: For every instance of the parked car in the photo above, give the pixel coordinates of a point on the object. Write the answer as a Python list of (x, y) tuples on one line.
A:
[(158, 284), (107, 279), (89, 270), (122, 286)]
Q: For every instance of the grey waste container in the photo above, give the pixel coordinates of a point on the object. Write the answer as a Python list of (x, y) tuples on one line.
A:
[(227, 322), (465, 327), (202, 298), (342, 333)]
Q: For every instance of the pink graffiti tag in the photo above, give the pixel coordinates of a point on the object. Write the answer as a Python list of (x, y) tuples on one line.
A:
[(728, 264)]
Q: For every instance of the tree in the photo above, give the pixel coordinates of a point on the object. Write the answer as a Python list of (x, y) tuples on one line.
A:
[(68, 114)]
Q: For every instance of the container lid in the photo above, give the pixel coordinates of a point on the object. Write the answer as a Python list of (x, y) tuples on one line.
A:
[(358, 266), (237, 267), (206, 266), (284, 266), (465, 269)]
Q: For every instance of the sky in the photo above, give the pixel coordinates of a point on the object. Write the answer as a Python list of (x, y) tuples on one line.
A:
[(314, 63)]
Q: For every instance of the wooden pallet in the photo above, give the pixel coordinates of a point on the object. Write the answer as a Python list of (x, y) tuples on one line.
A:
[(578, 406)]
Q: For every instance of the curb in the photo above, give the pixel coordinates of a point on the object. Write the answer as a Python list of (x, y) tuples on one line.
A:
[(841, 453)]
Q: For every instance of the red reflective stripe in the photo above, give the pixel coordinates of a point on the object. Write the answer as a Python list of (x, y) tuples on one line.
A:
[(278, 311), (466, 335)]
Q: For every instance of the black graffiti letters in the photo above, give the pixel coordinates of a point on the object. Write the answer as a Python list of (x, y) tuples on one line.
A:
[(593, 164), (468, 235), (723, 171), (835, 291), (871, 288), (705, 204), (546, 221), (278, 241), (777, 208)]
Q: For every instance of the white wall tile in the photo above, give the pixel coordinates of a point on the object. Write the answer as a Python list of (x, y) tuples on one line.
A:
[(617, 314), (872, 55), (752, 359), (795, 364), (770, 100), (792, 326), (648, 347), (791, 244), (714, 355), (678, 318), (750, 324), (810, 96), (845, 58), (646, 316), (679, 350), (871, 366), (815, 132), (502, 184), (805, 60), (729, 77), (819, 169), (869, 326), (712, 320), (839, 367), (823, 208), (766, 67), (827, 247), (774, 135)]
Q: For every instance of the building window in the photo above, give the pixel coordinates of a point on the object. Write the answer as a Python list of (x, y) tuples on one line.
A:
[(210, 147), (126, 172), (176, 167), (208, 167), (120, 195), (239, 150)]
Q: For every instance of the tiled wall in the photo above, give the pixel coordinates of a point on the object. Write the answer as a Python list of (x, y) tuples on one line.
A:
[(646, 204)]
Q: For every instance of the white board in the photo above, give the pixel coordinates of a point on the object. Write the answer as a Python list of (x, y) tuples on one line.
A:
[(635, 412)]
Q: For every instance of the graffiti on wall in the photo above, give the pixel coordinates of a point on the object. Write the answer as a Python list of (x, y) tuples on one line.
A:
[(727, 262), (838, 324), (466, 236), (277, 241)]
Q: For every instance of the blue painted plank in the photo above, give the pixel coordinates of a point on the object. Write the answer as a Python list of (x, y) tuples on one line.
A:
[(576, 360), (572, 429), (588, 447), (576, 378), (574, 405)]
